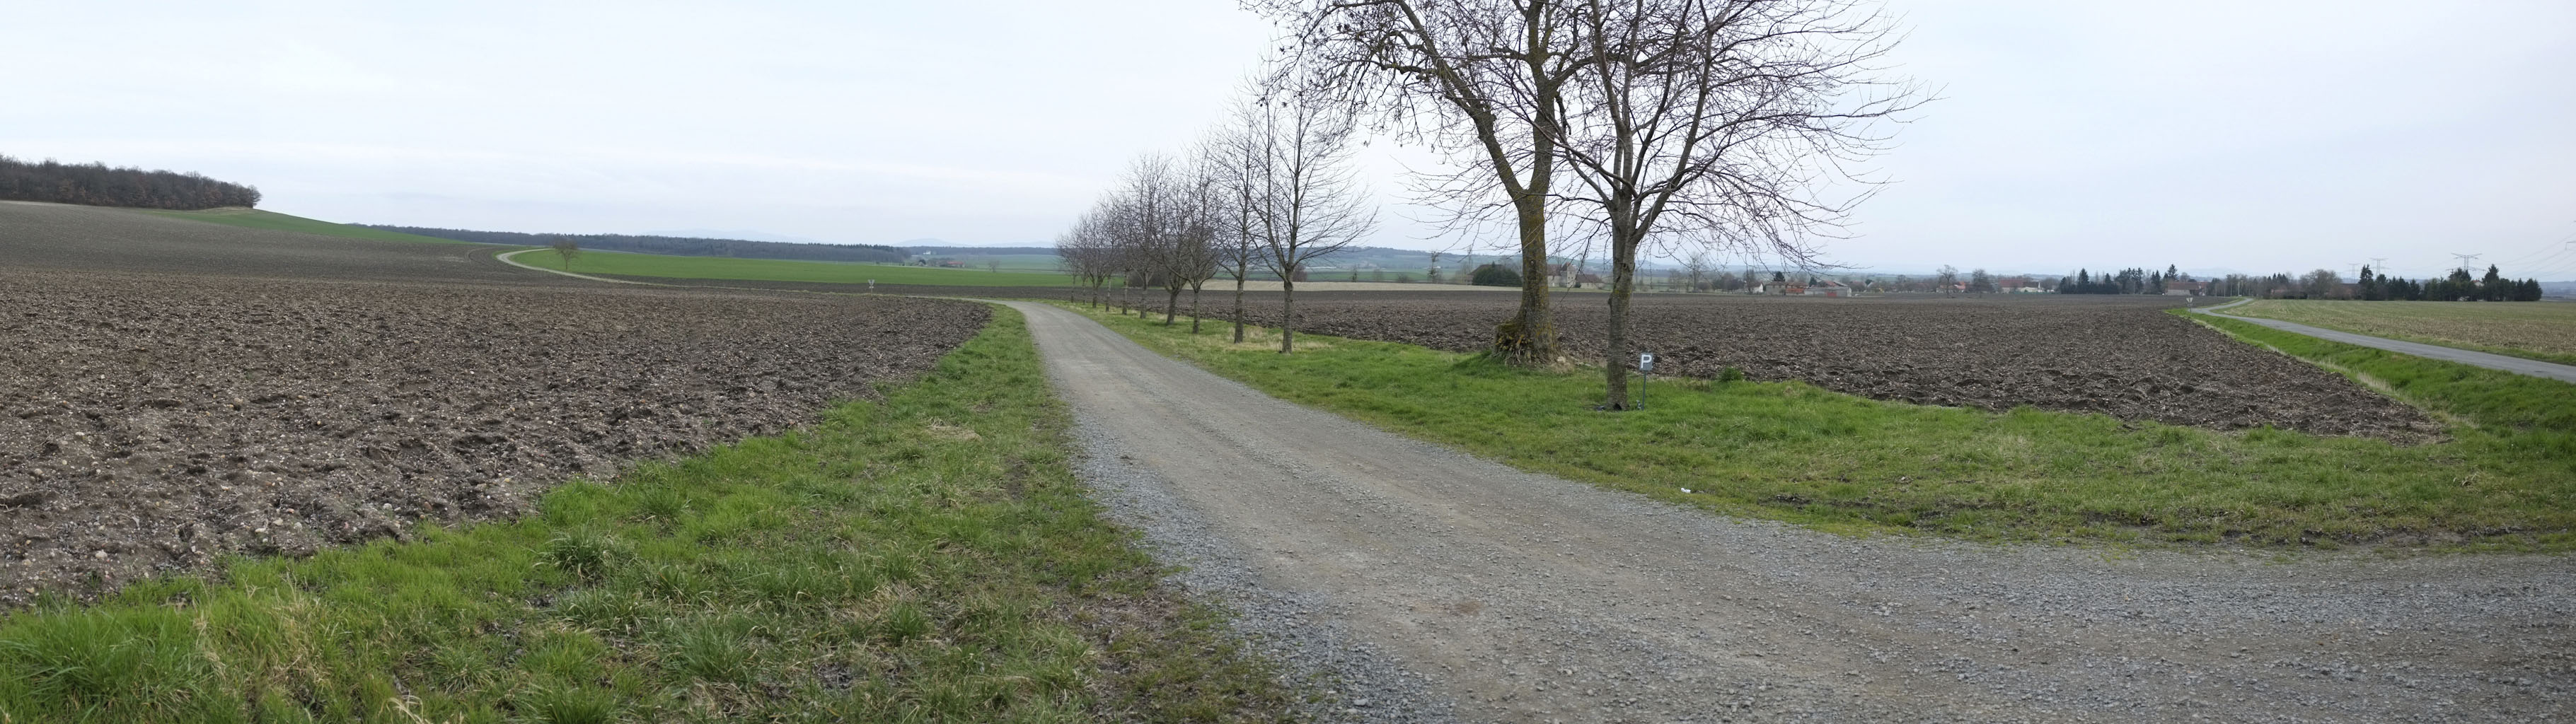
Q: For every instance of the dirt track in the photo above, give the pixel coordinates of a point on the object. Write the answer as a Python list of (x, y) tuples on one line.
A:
[(1527, 598), (163, 402)]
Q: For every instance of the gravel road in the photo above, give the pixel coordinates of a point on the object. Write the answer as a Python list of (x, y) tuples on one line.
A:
[(1429, 585)]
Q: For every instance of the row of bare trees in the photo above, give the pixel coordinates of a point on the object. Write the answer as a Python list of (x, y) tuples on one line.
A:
[(1716, 124), (1269, 190)]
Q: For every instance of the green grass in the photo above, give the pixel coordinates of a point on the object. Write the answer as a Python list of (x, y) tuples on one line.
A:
[(1794, 452), (273, 221), (705, 267), (2544, 331), (925, 558)]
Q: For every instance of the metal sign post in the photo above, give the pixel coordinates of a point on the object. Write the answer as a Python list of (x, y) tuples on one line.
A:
[(1646, 372)]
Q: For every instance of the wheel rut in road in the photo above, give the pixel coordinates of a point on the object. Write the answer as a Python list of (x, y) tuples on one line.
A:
[(1523, 597)]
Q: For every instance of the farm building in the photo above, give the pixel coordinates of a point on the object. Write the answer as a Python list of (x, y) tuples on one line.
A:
[(1827, 288)]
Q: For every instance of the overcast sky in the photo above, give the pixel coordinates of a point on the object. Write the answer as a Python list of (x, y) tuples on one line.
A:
[(2253, 136)]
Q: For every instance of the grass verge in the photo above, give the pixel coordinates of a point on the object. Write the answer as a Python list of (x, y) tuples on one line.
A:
[(2544, 331), (273, 221), (925, 558), (783, 270), (1795, 452)]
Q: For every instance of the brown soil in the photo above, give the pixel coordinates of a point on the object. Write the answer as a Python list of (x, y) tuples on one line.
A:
[(2121, 356), (160, 409)]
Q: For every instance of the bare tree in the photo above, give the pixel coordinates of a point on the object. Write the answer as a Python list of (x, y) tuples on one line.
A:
[(1234, 159), (1089, 251), (1299, 194), (1480, 80), (1947, 279), (567, 249), (1196, 256), (993, 264), (1981, 282), (1720, 122), (2320, 284), (1696, 265)]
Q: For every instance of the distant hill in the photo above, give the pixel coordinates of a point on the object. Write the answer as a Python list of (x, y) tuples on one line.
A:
[(673, 245)]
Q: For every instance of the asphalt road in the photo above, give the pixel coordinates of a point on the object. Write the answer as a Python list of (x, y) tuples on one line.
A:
[(1527, 598), (2517, 365)]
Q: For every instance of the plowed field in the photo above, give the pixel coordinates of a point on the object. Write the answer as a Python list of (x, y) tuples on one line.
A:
[(163, 402), (2123, 357)]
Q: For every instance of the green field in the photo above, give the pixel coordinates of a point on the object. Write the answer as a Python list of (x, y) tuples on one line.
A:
[(2505, 479), (273, 221), (703, 267), (1047, 263), (926, 558), (2534, 330)]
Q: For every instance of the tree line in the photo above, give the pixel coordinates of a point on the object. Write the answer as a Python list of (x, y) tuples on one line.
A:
[(672, 245), (2458, 287), (1270, 189), (1665, 124), (98, 184), (2132, 280)]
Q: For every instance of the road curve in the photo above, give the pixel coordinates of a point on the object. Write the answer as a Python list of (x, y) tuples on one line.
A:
[(1528, 598), (2517, 365), (504, 257)]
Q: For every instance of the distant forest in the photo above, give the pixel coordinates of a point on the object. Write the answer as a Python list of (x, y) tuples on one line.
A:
[(673, 245), (97, 184)]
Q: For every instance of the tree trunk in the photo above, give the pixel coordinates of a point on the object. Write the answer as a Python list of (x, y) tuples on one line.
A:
[(1194, 310), (1529, 338), (1623, 280), (1171, 306), (1238, 310), (1287, 313)]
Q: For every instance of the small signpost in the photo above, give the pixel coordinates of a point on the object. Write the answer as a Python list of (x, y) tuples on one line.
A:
[(872, 285), (1646, 368)]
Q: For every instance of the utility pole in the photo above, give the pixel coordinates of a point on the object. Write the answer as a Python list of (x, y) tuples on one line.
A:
[(2465, 259)]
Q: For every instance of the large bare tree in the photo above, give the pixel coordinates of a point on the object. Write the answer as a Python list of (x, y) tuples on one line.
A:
[(1719, 123), (1480, 80), (1291, 173)]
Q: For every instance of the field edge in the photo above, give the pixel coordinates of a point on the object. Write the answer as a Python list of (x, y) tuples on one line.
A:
[(929, 555)]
